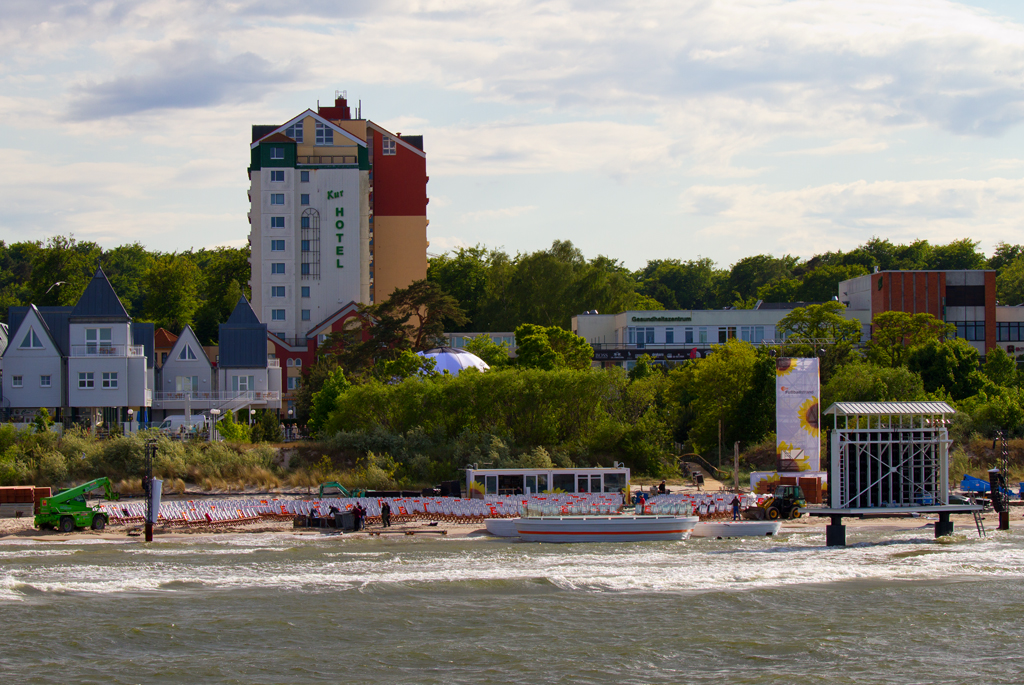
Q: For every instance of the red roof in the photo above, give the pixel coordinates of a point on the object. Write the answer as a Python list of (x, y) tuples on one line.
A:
[(164, 338)]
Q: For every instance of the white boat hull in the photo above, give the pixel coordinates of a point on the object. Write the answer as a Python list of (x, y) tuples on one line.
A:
[(604, 528), (736, 529), (502, 528)]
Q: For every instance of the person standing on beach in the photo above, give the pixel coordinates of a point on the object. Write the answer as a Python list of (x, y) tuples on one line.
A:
[(736, 508), (385, 515), (357, 517)]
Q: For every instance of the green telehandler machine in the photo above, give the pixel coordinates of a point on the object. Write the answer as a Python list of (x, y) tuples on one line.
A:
[(67, 510), (340, 488)]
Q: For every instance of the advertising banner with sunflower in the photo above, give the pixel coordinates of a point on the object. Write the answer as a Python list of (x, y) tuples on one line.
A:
[(797, 417)]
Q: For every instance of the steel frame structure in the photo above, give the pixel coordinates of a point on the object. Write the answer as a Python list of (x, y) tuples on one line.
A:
[(889, 455)]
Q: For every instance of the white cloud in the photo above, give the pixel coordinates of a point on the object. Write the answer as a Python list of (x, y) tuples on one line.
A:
[(840, 216), (495, 214)]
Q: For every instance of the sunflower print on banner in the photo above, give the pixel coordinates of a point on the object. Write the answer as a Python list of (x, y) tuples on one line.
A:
[(797, 413)]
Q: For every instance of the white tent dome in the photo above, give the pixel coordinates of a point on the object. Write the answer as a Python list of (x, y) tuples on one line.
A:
[(453, 360)]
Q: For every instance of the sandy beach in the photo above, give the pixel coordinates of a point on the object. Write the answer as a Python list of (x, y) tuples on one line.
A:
[(22, 529)]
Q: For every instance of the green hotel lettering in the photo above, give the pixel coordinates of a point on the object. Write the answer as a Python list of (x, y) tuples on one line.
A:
[(339, 225)]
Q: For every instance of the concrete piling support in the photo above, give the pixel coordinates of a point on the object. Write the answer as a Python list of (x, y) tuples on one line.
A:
[(835, 533), (944, 525)]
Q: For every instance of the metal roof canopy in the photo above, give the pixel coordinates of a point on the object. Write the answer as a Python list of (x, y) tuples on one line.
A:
[(889, 414)]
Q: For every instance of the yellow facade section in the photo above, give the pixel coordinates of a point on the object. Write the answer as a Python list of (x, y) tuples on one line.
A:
[(399, 253), (308, 148)]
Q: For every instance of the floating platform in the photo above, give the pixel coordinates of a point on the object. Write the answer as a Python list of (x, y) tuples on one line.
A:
[(605, 528), (736, 529)]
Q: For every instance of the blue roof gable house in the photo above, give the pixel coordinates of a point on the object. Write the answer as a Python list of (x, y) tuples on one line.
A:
[(106, 358), (247, 375)]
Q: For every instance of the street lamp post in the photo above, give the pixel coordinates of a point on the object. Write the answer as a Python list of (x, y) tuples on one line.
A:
[(131, 412), (213, 429)]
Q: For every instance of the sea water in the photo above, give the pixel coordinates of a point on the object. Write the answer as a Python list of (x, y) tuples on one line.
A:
[(892, 607)]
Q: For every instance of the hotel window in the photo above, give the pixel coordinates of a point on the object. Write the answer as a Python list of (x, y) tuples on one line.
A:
[(304, 222), (298, 362), (277, 176), (187, 354), (85, 380), (277, 291), (670, 336), (688, 335), (294, 132), (110, 379), (31, 341), (324, 134), (44, 381), (702, 334), (242, 383), (305, 291), (387, 145), (305, 315), (305, 246), (277, 199), (304, 198), (277, 246), (293, 383), (186, 384), (277, 222), (304, 269), (276, 152), (303, 177), (16, 381), (277, 315), (277, 268), (289, 362)]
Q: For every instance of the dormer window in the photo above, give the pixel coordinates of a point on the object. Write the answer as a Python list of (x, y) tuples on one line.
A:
[(324, 134), (187, 354), (387, 145), (276, 152), (32, 341), (294, 132)]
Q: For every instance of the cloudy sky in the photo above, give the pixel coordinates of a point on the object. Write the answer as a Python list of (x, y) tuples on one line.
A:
[(639, 130)]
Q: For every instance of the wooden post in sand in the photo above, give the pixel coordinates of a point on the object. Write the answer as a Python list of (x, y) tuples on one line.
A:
[(736, 466)]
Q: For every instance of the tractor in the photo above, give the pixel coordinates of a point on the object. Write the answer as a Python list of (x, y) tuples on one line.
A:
[(787, 503), (67, 510)]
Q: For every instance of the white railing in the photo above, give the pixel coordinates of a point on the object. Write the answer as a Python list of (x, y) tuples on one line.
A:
[(273, 363), (104, 350), (206, 397)]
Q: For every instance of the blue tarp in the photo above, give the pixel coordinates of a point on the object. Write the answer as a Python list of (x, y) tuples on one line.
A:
[(972, 484)]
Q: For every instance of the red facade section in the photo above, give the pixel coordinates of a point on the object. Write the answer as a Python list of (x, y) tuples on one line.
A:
[(399, 181), (339, 111)]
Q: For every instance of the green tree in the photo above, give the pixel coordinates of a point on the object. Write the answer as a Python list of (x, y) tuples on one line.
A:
[(1010, 283), (172, 292), (1000, 368), (751, 273), (325, 400), (958, 255), (1004, 255), (61, 269), (862, 381), (951, 365), (894, 333), (822, 284), (42, 421), (644, 368), (717, 387), (551, 348), (464, 276), (126, 267), (835, 334), (494, 354)]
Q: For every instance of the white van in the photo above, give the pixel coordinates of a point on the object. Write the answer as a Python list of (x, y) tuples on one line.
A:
[(172, 425)]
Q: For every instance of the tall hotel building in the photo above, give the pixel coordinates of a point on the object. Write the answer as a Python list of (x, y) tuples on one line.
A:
[(338, 214)]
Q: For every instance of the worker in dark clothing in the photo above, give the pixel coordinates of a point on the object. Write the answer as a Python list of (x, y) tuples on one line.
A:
[(736, 508), (385, 515), (661, 488)]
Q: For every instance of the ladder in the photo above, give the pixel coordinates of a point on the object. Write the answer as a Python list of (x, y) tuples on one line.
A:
[(979, 522)]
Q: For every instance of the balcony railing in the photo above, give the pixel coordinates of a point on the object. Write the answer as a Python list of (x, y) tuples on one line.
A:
[(273, 363), (104, 350), (217, 396), (319, 159)]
